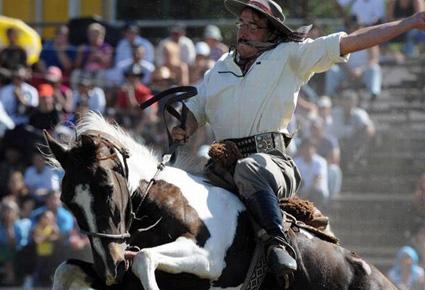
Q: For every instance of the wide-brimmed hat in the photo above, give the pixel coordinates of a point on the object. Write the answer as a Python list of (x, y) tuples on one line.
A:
[(134, 69), (270, 9)]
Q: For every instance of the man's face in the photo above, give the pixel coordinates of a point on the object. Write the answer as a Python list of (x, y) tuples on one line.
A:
[(252, 28)]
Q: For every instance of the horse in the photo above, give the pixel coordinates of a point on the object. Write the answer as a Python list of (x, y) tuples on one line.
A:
[(153, 226)]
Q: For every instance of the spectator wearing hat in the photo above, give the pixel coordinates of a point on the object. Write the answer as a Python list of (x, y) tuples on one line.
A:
[(45, 116), (88, 94), (203, 62), (62, 94), (251, 94), (185, 45), (133, 92), (59, 52), (19, 97), (115, 76), (161, 79), (212, 36), (131, 39)]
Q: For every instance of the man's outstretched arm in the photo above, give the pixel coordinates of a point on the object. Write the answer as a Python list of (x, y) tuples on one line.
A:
[(374, 35)]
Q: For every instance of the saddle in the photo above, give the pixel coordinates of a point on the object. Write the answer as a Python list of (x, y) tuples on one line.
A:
[(299, 214)]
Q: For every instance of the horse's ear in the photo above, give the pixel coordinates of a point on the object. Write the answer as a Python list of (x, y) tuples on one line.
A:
[(56, 148)]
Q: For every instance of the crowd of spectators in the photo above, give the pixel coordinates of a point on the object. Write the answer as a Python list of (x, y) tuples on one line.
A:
[(69, 81)]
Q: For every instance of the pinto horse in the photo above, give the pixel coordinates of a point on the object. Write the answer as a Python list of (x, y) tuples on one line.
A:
[(182, 233)]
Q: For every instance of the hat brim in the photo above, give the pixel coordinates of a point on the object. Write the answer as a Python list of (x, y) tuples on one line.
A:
[(235, 7)]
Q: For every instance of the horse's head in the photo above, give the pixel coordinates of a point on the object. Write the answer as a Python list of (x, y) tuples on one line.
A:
[(94, 189)]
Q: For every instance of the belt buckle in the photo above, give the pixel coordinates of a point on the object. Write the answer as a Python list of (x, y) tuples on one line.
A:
[(264, 142)]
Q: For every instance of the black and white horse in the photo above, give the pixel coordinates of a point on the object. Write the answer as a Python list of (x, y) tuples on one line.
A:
[(191, 234)]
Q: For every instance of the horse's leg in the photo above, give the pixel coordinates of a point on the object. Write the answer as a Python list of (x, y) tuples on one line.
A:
[(75, 273), (180, 256)]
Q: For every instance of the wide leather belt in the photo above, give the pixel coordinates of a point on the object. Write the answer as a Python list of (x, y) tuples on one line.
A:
[(261, 143)]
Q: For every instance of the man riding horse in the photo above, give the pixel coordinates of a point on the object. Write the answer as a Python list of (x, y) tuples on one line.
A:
[(249, 98)]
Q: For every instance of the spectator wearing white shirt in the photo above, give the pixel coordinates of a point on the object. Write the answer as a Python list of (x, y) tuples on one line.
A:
[(40, 178), (19, 97), (363, 66), (368, 12), (115, 76), (132, 39), (353, 128), (314, 172), (88, 94)]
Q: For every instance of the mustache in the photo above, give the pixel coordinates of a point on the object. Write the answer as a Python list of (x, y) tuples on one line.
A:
[(244, 41)]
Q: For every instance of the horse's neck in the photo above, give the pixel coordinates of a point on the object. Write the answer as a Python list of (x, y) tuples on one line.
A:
[(141, 166)]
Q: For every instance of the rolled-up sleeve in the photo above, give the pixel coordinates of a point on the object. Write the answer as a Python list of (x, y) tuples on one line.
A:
[(313, 56)]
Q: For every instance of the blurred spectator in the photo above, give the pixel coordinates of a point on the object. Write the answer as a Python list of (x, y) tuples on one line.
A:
[(202, 62), (133, 92), (40, 178), (115, 76), (212, 36), (363, 65), (353, 128), (13, 236), (161, 79), (61, 93), (419, 198), (16, 188), (12, 55), (19, 97), (328, 148), (95, 56), (59, 52), (406, 274), (131, 39), (64, 218), (88, 95), (367, 12), (179, 69), (324, 109), (44, 234), (45, 116), (398, 9), (6, 123), (314, 172), (418, 242), (186, 48), (12, 162)]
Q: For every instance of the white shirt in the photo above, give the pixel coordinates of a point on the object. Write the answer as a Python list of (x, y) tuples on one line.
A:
[(124, 50), (368, 12), (264, 99), (10, 104), (311, 170), (345, 128), (96, 101), (46, 179)]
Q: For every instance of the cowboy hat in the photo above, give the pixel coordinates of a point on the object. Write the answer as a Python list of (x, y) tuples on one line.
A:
[(270, 9)]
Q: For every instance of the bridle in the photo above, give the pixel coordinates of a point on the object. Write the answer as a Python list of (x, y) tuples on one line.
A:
[(112, 142)]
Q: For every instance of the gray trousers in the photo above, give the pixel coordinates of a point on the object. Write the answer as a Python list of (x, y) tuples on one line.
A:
[(274, 172)]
